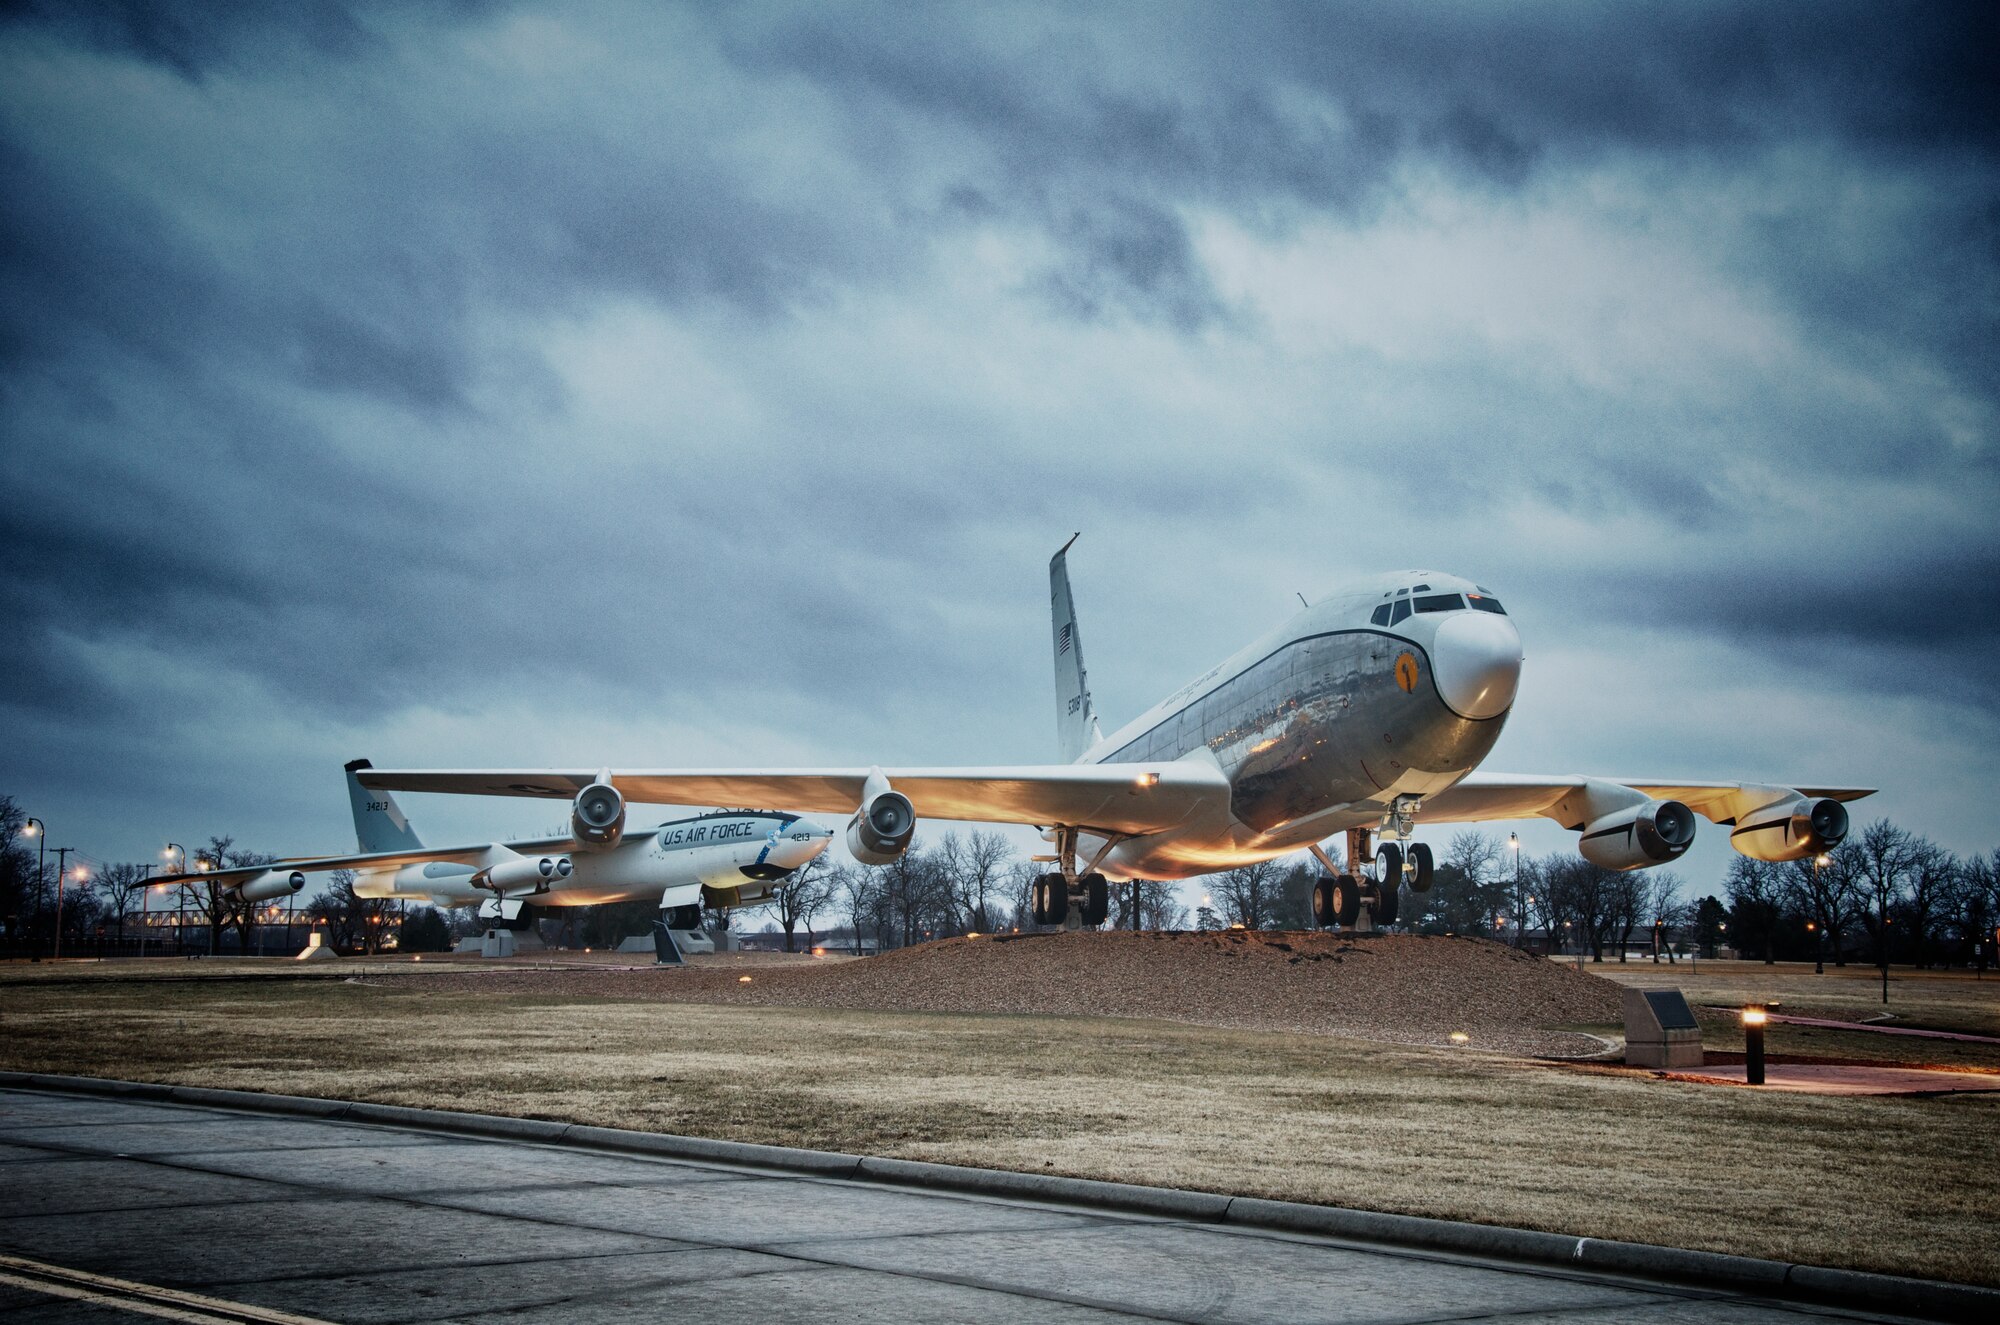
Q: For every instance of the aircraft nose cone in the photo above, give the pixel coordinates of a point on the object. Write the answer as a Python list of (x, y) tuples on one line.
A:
[(1477, 662)]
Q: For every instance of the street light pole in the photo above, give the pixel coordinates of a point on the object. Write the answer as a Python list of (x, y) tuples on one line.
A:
[(41, 832), (62, 862), (1514, 845), (180, 900)]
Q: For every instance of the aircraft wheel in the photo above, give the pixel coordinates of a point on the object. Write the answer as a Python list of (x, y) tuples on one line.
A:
[(1390, 857), (526, 920), (1096, 900), (1346, 901), (1420, 876), (1388, 901), (1040, 899), (1324, 914), (682, 917), (1057, 893)]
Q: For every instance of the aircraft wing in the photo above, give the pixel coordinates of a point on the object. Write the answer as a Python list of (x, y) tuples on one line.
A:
[(1569, 800), (483, 854), (1122, 799)]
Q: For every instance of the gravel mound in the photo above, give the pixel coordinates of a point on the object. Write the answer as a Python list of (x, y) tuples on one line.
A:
[(1405, 989)]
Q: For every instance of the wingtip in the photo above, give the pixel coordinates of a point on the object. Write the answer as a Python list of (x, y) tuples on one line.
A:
[(1065, 547), (356, 765)]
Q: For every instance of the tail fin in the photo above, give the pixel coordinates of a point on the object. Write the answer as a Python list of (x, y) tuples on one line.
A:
[(379, 823), (1076, 720)]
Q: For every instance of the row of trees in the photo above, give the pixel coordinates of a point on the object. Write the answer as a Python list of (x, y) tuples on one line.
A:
[(1887, 895)]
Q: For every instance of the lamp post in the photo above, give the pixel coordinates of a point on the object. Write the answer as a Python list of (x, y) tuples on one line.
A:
[(62, 863), (40, 831), (180, 898), (1819, 944), (1514, 845)]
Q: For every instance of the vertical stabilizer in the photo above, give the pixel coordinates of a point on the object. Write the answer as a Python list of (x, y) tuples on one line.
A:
[(1076, 720), (379, 823)]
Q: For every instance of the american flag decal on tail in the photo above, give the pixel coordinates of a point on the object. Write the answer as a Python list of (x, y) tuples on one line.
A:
[(1062, 641)]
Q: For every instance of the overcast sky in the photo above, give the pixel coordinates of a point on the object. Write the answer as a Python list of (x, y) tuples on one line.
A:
[(624, 384)]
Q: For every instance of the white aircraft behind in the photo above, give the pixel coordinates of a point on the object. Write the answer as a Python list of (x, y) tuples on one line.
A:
[(1367, 713), (725, 857)]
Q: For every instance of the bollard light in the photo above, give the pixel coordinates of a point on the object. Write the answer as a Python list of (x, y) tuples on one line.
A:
[(1754, 1018)]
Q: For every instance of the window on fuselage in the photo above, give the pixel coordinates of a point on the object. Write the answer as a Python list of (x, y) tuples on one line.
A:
[(1402, 610), (1439, 602), (1486, 603), (1381, 617)]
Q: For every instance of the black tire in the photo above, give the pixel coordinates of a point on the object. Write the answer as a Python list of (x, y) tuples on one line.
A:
[(1096, 900), (1324, 914), (1042, 899), (682, 917), (1390, 857), (1346, 901), (1057, 909), (1420, 856), (1388, 902)]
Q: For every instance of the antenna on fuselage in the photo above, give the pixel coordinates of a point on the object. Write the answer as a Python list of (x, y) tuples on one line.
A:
[(1302, 599)]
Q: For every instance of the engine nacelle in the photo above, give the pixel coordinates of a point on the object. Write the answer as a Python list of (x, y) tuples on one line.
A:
[(537, 872), (880, 830), (598, 819), (270, 884), (1632, 839), (1791, 830)]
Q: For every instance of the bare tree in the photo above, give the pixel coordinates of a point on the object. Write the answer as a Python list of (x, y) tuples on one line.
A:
[(120, 886), (1160, 905), (804, 894), (1249, 893), (1831, 894), (859, 892), (975, 868), (1932, 877), (1666, 910), (1883, 866), (1626, 895), (351, 920)]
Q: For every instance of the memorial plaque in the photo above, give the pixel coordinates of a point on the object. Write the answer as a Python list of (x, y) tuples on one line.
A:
[(1660, 1030)]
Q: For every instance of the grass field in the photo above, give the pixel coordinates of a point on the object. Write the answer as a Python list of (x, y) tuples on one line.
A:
[(1905, 1185)]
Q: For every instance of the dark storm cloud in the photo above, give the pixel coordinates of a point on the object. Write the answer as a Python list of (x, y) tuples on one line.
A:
[(301, 307)]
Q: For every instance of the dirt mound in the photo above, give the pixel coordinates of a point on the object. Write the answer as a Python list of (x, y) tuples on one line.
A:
[(1401, 988)]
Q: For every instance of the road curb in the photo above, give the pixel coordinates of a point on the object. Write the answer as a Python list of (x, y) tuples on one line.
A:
[(1929, 1298)]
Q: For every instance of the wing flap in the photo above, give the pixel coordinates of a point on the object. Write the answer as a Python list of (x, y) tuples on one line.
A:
[(1128, 799)]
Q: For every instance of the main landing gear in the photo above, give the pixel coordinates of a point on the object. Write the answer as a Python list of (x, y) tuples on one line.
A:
[(1057, 897), (1359, 902)]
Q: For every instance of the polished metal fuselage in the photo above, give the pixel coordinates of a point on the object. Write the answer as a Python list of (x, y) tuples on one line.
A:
[(1319, 726)]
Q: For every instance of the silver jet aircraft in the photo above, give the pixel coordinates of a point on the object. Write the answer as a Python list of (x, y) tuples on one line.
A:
[(1367, 714), (723, 858)]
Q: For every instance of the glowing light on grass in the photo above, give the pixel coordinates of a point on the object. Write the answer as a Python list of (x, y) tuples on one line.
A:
[(742, 979), (1460, 1037)]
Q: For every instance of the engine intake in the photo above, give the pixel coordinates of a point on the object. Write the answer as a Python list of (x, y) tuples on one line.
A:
[(273, 883), (537, 872), (598, 819), (1632, 839), (1791, 830), (881, 829)]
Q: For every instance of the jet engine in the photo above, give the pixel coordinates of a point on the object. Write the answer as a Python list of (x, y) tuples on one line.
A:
[(882, 828), (537, 872), (598, 820), (1791, 830), (270, 884), (1642, 835)]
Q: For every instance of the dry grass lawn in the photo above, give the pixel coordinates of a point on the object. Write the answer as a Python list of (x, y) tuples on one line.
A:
[(1905, 1185)]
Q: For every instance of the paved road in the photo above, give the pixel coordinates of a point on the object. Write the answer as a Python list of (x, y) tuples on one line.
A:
[(105, 1202)]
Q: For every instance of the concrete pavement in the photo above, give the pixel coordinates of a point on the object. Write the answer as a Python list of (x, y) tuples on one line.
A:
[(226, 1216)]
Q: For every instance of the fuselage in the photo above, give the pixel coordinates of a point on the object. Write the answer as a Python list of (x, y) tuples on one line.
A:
[(735, 856), (1397, 686)]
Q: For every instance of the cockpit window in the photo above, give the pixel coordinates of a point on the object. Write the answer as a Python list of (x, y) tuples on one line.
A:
[(1402, 593), (1487, 604), (1439, 602), (1402, 610), (1381, 617), (1420, 588)]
